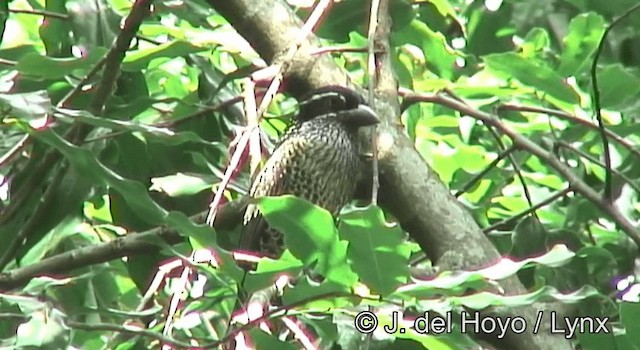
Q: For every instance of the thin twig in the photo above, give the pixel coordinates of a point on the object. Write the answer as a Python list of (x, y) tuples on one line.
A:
[(529, 210), (56, 15), (8, 62), (566, 116), (32, 222), (485, 171), (15, 150), (243, 141), (341, 49), (176, 298), (576, 183), (372, 83), (130, 330), (287, 59), (253, 123), (518, 171), (595, 160), (608, 188)]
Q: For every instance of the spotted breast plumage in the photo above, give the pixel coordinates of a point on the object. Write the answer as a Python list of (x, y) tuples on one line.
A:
[(317, 159)]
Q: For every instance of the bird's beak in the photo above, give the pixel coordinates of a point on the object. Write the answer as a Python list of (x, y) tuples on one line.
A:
[(360, 116)]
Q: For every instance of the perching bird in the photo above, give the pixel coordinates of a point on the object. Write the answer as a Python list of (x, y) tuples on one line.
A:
[(317, 159)]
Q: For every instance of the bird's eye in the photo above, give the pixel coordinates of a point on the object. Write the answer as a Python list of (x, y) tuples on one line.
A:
[(337, 103)]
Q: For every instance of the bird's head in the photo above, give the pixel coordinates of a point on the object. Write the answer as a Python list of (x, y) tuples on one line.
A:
[(347, 105)]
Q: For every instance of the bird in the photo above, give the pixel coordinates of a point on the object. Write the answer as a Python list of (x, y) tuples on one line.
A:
[(317, 159)]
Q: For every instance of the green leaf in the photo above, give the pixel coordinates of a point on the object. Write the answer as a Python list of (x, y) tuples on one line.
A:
[(67, 227), (269, 270), (57, 68), (532, 73), (630, 317), (440, 57), (585, 33), (310, 235), (450, 283), (133, 192), (84, 161), (94, 23), (536, 41), (529, 238), (319, 296), (483, 300), (154, 133), (28, 106), (55, 32), (139, 59), (44, 330), (266, 341), (377, 249), (307, 228), (617, 84), (181, 184)]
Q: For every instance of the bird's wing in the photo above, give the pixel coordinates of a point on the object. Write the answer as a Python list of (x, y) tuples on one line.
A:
[(271, 181)]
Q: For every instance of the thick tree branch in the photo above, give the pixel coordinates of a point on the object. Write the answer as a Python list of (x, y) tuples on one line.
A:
[(229, 215)]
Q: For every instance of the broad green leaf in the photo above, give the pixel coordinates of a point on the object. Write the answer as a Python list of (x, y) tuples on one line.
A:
[(585, 33), (319, 296), (461, 280), (439, 56), (445, 8), (181, 184), (134, 193), (536, 41), (266, 341), (532, 73), (139, 59), (377, 249), (480, 301), (84, 161), (269, 270), (307, 228), (310, 234), (94, 23), (67, 227), (154, 133), (194, 12), (30, 107), (55, 31), (45, 330), (630, 318), (56, 68), (617, 84)]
